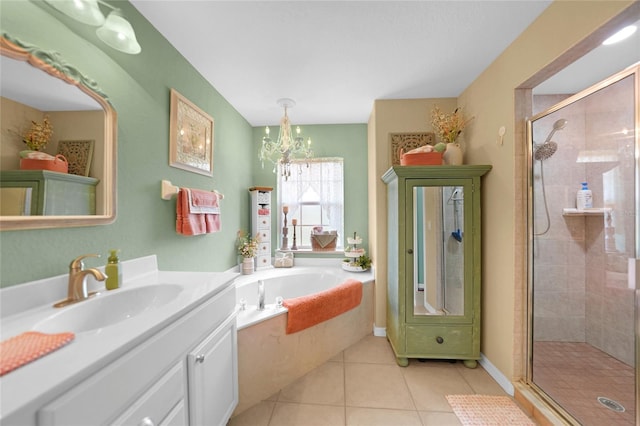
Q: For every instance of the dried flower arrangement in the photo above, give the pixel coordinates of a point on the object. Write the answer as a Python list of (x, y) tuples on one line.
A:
[(247, 246), (38, 135), (448, 126)]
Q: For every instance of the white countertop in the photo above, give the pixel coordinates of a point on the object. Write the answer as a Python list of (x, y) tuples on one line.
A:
[(23, 306)]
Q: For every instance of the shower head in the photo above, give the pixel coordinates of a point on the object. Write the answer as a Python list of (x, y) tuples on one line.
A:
[(549, 147), (558, 125), (544, 151)]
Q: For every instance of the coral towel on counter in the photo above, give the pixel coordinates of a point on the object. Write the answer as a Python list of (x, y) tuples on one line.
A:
[(29, 346)]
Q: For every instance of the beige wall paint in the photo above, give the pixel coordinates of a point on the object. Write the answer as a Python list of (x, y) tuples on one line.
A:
[(558, 35), (390, 116), (499, 97)]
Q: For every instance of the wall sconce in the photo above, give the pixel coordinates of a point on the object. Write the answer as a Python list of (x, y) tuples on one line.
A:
[(115, 30)]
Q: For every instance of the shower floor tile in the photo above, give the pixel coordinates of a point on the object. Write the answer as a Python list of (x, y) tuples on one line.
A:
[(576, 374)]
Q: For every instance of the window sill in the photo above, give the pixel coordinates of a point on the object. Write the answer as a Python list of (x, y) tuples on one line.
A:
[(307, 251)]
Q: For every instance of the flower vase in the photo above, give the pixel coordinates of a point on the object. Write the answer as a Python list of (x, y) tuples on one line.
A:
[(453, 154), (247, 265)]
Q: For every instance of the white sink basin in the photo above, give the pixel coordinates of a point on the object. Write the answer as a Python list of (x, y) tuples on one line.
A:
[(108, 308)]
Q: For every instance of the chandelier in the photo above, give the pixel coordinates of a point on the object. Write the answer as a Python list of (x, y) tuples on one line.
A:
[(287, 147)]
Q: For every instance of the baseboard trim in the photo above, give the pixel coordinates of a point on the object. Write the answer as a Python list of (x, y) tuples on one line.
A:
[(379, 331), (497, 375)]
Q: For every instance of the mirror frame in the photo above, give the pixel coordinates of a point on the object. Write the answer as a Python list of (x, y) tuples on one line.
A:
[(51, 63)]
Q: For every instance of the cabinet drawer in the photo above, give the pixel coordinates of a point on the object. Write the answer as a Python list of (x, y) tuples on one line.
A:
[(177, 416), (264, 197), (440, 341), (264, 249), (157, 402), (264, 260), (264, 222), (264, 235)]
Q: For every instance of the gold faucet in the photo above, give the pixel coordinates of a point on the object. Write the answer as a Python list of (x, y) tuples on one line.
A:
[(77, 290)]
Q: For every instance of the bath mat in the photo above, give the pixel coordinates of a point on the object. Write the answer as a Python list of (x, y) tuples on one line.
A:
[(488, 410), (29, 346)]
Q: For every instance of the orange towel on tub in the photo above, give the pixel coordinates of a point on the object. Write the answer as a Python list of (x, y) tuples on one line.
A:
[(197, 212), (29, 346), (307, 311)]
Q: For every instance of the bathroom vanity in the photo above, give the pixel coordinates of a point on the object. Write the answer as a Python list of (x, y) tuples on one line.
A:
[(434, 276), (173, 362)]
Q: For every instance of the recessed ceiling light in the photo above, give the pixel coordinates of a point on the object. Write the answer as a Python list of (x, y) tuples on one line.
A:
[(620, 35)]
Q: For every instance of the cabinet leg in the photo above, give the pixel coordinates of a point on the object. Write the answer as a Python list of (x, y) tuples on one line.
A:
[(470, 363), (402, 362)]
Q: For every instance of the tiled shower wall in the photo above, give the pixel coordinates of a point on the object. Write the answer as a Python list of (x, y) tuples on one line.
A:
[(580, 290)]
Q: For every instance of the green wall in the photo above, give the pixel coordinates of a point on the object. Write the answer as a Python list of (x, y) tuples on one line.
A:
[(139, 89), (348, 141)]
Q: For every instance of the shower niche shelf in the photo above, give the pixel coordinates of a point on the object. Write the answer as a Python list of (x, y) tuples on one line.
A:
[(596, 211)]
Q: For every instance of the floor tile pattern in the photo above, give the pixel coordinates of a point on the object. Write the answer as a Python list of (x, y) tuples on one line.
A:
[(363, 386), (576, 374)]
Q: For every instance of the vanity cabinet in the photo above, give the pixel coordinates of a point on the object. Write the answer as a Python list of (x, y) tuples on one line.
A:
[(434, 262), (261, 224), (184, 374)]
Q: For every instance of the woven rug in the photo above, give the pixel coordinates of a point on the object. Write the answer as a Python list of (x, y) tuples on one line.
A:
[(488, 410)]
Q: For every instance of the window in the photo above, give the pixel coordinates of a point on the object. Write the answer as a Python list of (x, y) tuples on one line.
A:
[(314, 196)]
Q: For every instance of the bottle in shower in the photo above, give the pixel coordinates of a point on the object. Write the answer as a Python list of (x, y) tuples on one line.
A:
[(584, 198)]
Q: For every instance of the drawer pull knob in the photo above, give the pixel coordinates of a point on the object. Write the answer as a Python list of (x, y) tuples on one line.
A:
[(410, 251), (200, 358), (146, 422), (440, 340)]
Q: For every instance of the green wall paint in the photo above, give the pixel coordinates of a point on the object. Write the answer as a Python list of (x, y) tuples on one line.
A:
[(139, 89)]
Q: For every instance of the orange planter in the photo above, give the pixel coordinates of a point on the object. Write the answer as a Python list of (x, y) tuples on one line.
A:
[(59, 164)]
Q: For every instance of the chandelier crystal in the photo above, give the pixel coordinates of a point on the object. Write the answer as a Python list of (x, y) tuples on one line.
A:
[(287, 147)]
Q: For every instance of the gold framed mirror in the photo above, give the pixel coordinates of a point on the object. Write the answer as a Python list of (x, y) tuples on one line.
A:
[(79, 95)]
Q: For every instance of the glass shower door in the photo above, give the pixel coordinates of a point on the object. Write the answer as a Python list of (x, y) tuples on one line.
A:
[(582, 289)]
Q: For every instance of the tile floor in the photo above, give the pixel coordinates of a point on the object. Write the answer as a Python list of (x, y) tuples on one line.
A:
[(576, 374), (363, 386)]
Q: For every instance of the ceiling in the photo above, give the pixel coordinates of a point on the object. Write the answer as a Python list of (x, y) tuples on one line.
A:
[(334, 58)]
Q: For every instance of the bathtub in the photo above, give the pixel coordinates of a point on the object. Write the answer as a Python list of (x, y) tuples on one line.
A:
[(268, 358)]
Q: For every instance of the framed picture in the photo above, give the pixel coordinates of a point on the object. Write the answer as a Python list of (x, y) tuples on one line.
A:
[(191, 142), (78, 154)]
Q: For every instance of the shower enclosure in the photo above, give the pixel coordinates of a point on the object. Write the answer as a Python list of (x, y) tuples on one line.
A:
[(582, 298)]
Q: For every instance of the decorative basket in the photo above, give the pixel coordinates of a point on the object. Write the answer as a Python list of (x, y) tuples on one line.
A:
[(58, 164), (421, 159), (324, 242)]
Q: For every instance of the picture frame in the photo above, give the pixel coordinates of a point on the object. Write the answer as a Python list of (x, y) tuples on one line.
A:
[(191, 141), (79, 154)]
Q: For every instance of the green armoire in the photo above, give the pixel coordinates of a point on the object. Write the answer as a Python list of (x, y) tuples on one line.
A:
[(434, 262)]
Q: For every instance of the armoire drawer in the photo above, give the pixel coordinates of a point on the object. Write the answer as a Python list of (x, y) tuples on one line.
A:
[(440, 341)]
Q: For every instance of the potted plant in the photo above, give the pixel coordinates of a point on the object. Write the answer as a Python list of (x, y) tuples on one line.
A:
[(449, 127), (247, 248), (37, 137)]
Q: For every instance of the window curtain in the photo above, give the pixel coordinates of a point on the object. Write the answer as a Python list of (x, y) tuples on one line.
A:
[(322, 181)]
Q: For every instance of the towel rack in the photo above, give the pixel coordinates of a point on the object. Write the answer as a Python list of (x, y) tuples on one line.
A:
[(169, 190)]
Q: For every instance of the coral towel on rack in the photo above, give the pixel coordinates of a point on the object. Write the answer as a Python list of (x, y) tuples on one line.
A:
[(197, 212), (306, 311)]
